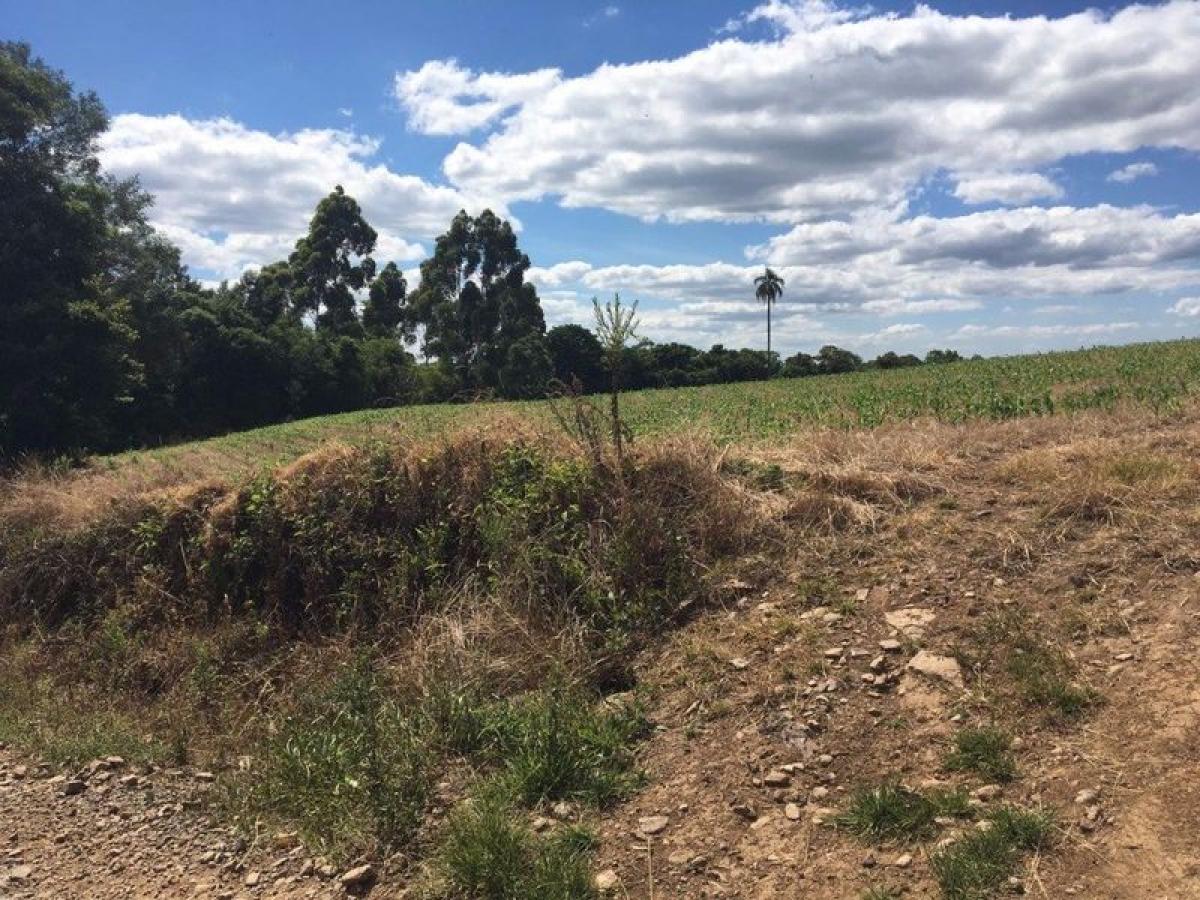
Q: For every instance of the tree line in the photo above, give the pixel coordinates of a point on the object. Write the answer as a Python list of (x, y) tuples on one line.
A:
[(107, 342)]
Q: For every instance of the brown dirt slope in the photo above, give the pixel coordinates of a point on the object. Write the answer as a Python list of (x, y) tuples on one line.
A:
[(1080, 534)]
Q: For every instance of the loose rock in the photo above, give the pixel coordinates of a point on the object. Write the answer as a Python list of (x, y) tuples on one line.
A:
[(653, 824), (942, 668), (359, 876)]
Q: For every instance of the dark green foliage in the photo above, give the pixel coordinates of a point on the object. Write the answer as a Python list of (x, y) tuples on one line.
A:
[(331, 262), (833, 360), (384, 315), (985, 751), (576, 355), (935, 357), (802, 365), (892, 811), (66, 335), (893, 360), (475, 305), (527, 368), (977, 865)]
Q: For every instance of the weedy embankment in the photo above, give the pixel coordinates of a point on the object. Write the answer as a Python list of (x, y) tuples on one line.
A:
[(368, 626)]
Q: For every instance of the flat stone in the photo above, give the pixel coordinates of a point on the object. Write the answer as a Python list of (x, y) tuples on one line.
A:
[(891, 645), (359, 876), (792, 812), (777, 779), (739, 663), (653, 824), (746, 811), (942, 668), (911, 621)]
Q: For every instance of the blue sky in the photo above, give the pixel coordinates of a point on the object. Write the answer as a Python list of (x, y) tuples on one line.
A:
[(991, 177)]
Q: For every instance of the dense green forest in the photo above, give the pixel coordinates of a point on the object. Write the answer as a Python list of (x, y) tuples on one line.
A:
[(106, 342)]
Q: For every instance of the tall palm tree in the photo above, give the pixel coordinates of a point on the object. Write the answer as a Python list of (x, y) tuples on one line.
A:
[(768, 287)]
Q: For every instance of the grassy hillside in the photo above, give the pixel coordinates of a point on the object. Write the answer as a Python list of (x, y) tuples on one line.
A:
[(1157, 375)]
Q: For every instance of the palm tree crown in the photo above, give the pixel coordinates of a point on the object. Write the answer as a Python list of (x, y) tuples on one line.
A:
[(768, 287)]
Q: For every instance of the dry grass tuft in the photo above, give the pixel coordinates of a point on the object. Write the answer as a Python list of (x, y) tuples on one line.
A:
[(827, 513), (1101, 480)]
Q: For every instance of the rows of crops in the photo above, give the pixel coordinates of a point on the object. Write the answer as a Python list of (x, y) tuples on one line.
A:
[(1158, 376)]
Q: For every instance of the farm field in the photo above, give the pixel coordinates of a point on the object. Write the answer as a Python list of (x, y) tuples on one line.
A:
[(1157, 376)]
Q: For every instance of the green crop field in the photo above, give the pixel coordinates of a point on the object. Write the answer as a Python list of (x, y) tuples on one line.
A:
[(1158, 376)]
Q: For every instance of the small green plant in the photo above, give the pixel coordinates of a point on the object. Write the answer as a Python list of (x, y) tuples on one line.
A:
[(489, 853), (552, 744), (881, 892), (348, 768), (1039, 673), (976, 865), (894, 812), (1043, 676), (558, 745), (985, 751), (616, 326)]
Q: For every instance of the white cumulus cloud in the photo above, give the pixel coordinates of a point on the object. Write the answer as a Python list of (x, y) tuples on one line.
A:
[(1133, 172), (1006, 187), (442, 97), (1186, 306), (233, 197), (842, 111)]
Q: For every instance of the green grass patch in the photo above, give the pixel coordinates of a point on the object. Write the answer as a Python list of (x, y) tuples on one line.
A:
[(894, 812), (1043, 676), (488, 853), (985, 751), (349, 769), (68, 727), (978, 864), (554, 744), (1033, 671)]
